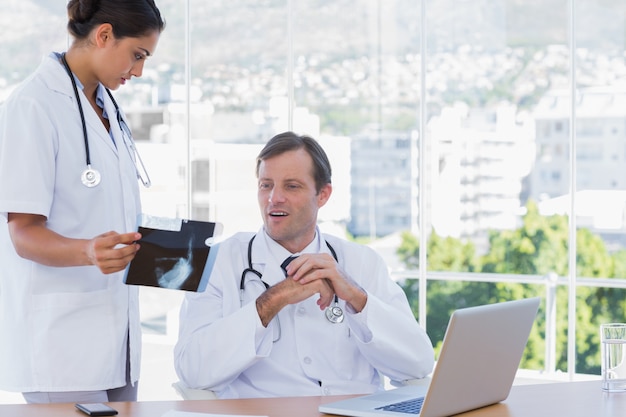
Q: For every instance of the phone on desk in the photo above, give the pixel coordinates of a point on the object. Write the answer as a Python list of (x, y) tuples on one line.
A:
[(96, 409)]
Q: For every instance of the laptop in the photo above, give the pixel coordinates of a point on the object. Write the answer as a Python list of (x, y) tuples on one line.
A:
[(479, 357)]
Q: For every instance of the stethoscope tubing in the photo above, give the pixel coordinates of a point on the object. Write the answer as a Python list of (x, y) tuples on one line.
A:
[(91, 177), (334, 314), (80, 108)]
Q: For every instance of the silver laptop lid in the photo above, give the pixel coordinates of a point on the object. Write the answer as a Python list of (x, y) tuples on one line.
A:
[(480, 355)]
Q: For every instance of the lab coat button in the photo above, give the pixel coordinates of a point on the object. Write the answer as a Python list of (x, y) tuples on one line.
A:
[(307, 360), (326, 391), (301, 311)]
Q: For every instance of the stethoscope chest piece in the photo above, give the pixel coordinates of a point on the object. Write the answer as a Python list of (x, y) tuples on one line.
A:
[(334, 314), (90, 177)]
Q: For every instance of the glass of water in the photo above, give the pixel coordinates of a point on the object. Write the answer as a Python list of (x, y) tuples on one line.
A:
[(613, 336)]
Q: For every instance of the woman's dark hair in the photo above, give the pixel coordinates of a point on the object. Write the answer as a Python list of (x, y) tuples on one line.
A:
[(289, 141), (129, 18)]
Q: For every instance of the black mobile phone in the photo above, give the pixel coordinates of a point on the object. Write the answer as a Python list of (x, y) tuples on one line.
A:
[(96, 409)]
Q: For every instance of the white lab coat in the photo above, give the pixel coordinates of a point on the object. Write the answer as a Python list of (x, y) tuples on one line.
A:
[(224, 347), (64, 329)]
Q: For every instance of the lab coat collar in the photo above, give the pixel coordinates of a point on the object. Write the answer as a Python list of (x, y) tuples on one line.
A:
[(267, 254), (56, 79), (54, 75)]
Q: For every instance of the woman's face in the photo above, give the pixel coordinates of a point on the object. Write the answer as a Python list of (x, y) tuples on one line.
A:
[(121, 59)]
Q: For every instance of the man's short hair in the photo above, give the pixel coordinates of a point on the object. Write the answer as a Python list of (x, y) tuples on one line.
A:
[(289, 141)]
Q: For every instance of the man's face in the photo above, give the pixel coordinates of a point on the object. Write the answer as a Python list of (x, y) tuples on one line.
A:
[(288, 199)]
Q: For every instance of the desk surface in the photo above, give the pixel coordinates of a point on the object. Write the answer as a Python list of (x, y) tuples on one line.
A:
[(571, 399)]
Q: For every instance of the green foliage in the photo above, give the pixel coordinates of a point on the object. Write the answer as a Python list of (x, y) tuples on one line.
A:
[(444, 254), (592, 258), (538, 247), (619, 264)]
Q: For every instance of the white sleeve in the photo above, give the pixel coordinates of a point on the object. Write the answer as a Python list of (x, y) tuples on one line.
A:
[(387, 333), (28, 142), (219, 339)]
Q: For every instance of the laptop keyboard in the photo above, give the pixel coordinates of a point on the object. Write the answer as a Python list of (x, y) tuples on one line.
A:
[(412, 406)]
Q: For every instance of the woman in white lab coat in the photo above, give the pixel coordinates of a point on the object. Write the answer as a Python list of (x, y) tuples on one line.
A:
[(69, 197)]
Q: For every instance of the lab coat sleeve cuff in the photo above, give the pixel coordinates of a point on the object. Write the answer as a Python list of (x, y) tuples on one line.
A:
[(358, 322), (262, 335)]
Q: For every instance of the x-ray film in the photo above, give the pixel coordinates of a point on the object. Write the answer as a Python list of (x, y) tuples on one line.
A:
[(175, 254)]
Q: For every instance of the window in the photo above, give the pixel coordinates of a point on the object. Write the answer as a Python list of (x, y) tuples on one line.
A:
[(457, 119)]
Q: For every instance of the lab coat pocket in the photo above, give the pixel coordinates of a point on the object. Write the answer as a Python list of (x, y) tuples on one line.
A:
[(345, 350), (76, 338)]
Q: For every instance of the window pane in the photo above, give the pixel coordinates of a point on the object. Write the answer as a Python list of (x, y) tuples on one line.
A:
[(600, 194), (490, 64), (239, 54)]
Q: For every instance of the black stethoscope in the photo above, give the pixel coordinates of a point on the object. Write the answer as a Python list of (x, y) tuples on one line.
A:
[(334, 313), (91, 177)]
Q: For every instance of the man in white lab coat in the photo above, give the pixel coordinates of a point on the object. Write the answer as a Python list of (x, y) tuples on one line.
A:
[(328, 322)]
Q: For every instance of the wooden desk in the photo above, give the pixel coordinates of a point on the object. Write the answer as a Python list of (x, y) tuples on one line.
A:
[(273, 407), (568, 399)]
